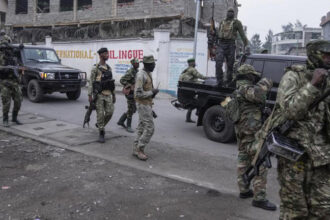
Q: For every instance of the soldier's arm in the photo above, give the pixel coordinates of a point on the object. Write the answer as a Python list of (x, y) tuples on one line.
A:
[(254, 94), (295, 101), (139, 92), (241, 32), (91, 80), (196, 74), (124, 80)]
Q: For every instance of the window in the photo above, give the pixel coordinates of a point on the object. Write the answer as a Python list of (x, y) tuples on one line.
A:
[(124, 1), (66, 5), (43, 6), (40, 55), (84, 4), (316, 36), (21, 6), (274, 70)]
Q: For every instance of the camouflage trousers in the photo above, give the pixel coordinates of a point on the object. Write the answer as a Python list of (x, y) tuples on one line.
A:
[(245, 158), (104, 110), (10, 90), (145, 128), (131, 107), (225, 51), (305, 191)]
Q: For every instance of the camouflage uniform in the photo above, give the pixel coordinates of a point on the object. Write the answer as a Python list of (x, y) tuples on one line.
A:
[(305, 185), (226, 48), (144, 99), (191, 75), (251, 99), (104, 102)]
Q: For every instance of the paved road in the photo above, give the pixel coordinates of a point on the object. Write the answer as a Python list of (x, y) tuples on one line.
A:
[(170, 124)]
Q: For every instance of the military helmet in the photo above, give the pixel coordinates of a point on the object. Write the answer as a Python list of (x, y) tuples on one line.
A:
[(314, 52), (247, 69)]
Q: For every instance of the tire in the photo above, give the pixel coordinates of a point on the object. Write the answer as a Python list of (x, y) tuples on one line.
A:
[(34, 91), (74, 95), (216, 126)]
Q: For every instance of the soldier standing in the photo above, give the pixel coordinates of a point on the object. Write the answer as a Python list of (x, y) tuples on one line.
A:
[(128, 82), (191, 74), (102, 81), (251, 97), (305, 184), (144, 94), (226, 45), (9, 86)]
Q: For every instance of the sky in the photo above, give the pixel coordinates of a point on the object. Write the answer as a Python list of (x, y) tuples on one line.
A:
[(261, 15)]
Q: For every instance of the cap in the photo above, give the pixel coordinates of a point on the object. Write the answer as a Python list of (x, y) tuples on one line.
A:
[(230, 9), (148, 59), (102, 50), (190, 60)]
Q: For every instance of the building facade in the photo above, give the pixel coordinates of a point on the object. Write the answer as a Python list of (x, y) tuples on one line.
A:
[(3, 12), (325, 24), (295, 40), (32, 20)]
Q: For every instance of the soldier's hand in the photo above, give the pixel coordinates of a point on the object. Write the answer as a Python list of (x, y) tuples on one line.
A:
[(318, 77), (266, 84), (90, 99)]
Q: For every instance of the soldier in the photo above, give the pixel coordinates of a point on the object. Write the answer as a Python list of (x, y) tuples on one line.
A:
[(144, 94), (226, 47), (305, 184), (190, 74), (251, 97), (128, 82), (9, 86), (101, 80)]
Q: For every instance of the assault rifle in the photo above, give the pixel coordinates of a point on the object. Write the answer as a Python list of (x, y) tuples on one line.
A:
[(9, 62), (92, 104), (276, 143)]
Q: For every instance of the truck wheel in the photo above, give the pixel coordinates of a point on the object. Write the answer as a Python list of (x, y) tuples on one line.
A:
[(74, 95), (34, 91), (216, 126)]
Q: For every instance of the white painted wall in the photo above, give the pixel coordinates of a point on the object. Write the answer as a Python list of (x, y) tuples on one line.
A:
[(171, 55)]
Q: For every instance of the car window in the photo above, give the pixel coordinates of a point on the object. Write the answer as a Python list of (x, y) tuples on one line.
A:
[(40, 55), (258, 65), (274, 70)]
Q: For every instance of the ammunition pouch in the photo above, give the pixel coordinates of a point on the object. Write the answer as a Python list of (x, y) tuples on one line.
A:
[(283, 146), (108, 84), (97, 88)]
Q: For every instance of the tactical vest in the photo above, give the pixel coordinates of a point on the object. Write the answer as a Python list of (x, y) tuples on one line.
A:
[(107, 82), (227, 29), (147, 86)]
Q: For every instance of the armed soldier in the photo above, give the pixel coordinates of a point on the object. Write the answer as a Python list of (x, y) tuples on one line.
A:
[(251, 95), (128, 82), (305, 183), (4, 38), (191, 74), (226, 45), (102, 81), (9, 83), (144, 94)]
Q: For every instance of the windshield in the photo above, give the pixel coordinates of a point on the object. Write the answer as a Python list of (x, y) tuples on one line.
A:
[(40, 55)]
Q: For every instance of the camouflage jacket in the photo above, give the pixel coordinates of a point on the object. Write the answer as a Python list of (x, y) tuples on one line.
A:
[(191, 75), (129, 78), (234, 27), (96, 75), (143, 88), (251, 99), (312, 127)]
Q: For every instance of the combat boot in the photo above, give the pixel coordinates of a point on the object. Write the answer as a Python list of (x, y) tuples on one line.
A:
[(129, 126), (14, 118), (188, 116), (5, 120), (122, 119), (265, 204), (141, 155), (101, 137)]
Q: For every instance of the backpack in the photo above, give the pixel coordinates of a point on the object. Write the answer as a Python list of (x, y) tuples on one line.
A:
[(232, 108)]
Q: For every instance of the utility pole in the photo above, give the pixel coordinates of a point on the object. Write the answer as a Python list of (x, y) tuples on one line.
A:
[(198, 7), (75, 10)]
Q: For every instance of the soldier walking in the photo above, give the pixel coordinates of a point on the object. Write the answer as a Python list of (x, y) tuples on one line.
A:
[(226, 45), (305, 184), (101, 81), (144, 94), (191, 74), (128, 82), (251, 96)]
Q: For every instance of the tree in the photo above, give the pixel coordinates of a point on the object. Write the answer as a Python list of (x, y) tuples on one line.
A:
[(268, 43), (298, 24), (255, 43), (288, 27)]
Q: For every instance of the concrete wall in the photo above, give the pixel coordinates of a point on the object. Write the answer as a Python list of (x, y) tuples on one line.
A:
[(326, 31), (3, 6), (171, 55)]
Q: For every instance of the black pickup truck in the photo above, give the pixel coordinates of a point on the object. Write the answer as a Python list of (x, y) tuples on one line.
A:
[(44, 74), (207, 96)]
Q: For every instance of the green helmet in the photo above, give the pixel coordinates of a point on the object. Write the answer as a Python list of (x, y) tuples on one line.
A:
[(247, 69), (315, 49)]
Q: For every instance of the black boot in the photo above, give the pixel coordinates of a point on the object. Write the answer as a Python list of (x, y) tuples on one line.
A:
[(248, 194), (122, 119), (5, 120), (14, 118), (188, 116), (101, 137), (129, 126), (264, 205)]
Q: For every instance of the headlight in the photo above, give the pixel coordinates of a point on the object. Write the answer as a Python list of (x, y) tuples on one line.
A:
[(47, 76), (82, 76)]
